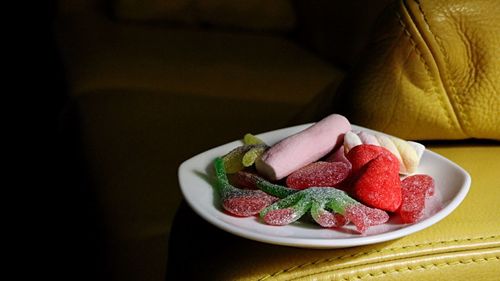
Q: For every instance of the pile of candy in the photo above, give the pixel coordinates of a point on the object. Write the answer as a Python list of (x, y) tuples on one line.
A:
[(337, 175)]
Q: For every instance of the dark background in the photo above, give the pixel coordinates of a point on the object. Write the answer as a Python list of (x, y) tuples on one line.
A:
[(52, 231)]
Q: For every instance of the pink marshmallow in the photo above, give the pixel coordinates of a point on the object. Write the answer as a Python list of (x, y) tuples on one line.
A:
[(303, 148)]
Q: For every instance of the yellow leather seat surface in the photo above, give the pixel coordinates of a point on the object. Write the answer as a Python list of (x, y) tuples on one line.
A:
[(463, 246), (430, 71)]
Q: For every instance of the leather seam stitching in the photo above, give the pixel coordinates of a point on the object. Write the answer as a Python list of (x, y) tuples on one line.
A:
[(458, 104), (421, 267), (447, 242), (426, 66)]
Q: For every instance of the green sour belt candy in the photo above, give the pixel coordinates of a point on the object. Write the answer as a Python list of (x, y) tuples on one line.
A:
[(324, 203), (329, 207), (250, 180), (239, 202)]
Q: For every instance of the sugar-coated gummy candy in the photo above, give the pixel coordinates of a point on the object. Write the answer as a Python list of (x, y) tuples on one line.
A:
[(318, 174), (325, 217), (287, 210), (252, 154), (239, 202), (234, 160), (320, 201), (244, 203), (250, 180), (360, 155), (363, 217), (408, 153), (377, 182), (415, 189), (251, 139), (367, 165)]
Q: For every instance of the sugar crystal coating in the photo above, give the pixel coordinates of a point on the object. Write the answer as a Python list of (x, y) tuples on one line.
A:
[(326, 218), (360, 155), (237, 201), (329, 207), (422, 182), (415, 189), (319, 174), (252, 154), (251, 139), (242, 156), (246, 204), (280, 216), (367, 171), (376, 182), (363, 217)]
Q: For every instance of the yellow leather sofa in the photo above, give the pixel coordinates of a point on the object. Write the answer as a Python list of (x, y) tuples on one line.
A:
[(153, 83)]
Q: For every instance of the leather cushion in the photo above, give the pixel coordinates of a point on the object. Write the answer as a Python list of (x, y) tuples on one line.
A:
[(431, 71), (102, 54)]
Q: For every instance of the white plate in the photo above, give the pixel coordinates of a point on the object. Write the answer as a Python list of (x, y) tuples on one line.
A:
[(195, 174)]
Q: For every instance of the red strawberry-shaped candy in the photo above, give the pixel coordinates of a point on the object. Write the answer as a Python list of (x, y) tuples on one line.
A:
[(318, 174), (360, 155), (377, 183), (415, 189)]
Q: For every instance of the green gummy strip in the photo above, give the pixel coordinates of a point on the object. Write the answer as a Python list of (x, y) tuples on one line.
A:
[(300, 202), (274, 189), (340, 202), (222, 183), (316, 207)]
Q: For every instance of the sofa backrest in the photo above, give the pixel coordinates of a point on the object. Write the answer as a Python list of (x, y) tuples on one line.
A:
[(334, 29)]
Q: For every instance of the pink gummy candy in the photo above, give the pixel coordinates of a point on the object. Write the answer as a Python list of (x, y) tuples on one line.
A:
[(318, 174), (245, 204), (280, 216), (328, 219), (415, 189), (363, 217)]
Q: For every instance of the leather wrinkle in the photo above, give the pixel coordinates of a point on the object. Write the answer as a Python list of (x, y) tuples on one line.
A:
[(380, 251), (443, 73), (424, 62), (473, 60)]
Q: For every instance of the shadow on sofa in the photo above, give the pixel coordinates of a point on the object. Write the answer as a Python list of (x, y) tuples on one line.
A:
[(153, 83)]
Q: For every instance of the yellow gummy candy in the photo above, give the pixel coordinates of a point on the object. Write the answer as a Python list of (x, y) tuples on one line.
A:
[(251, 139), (233, 160), (252, 154)]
